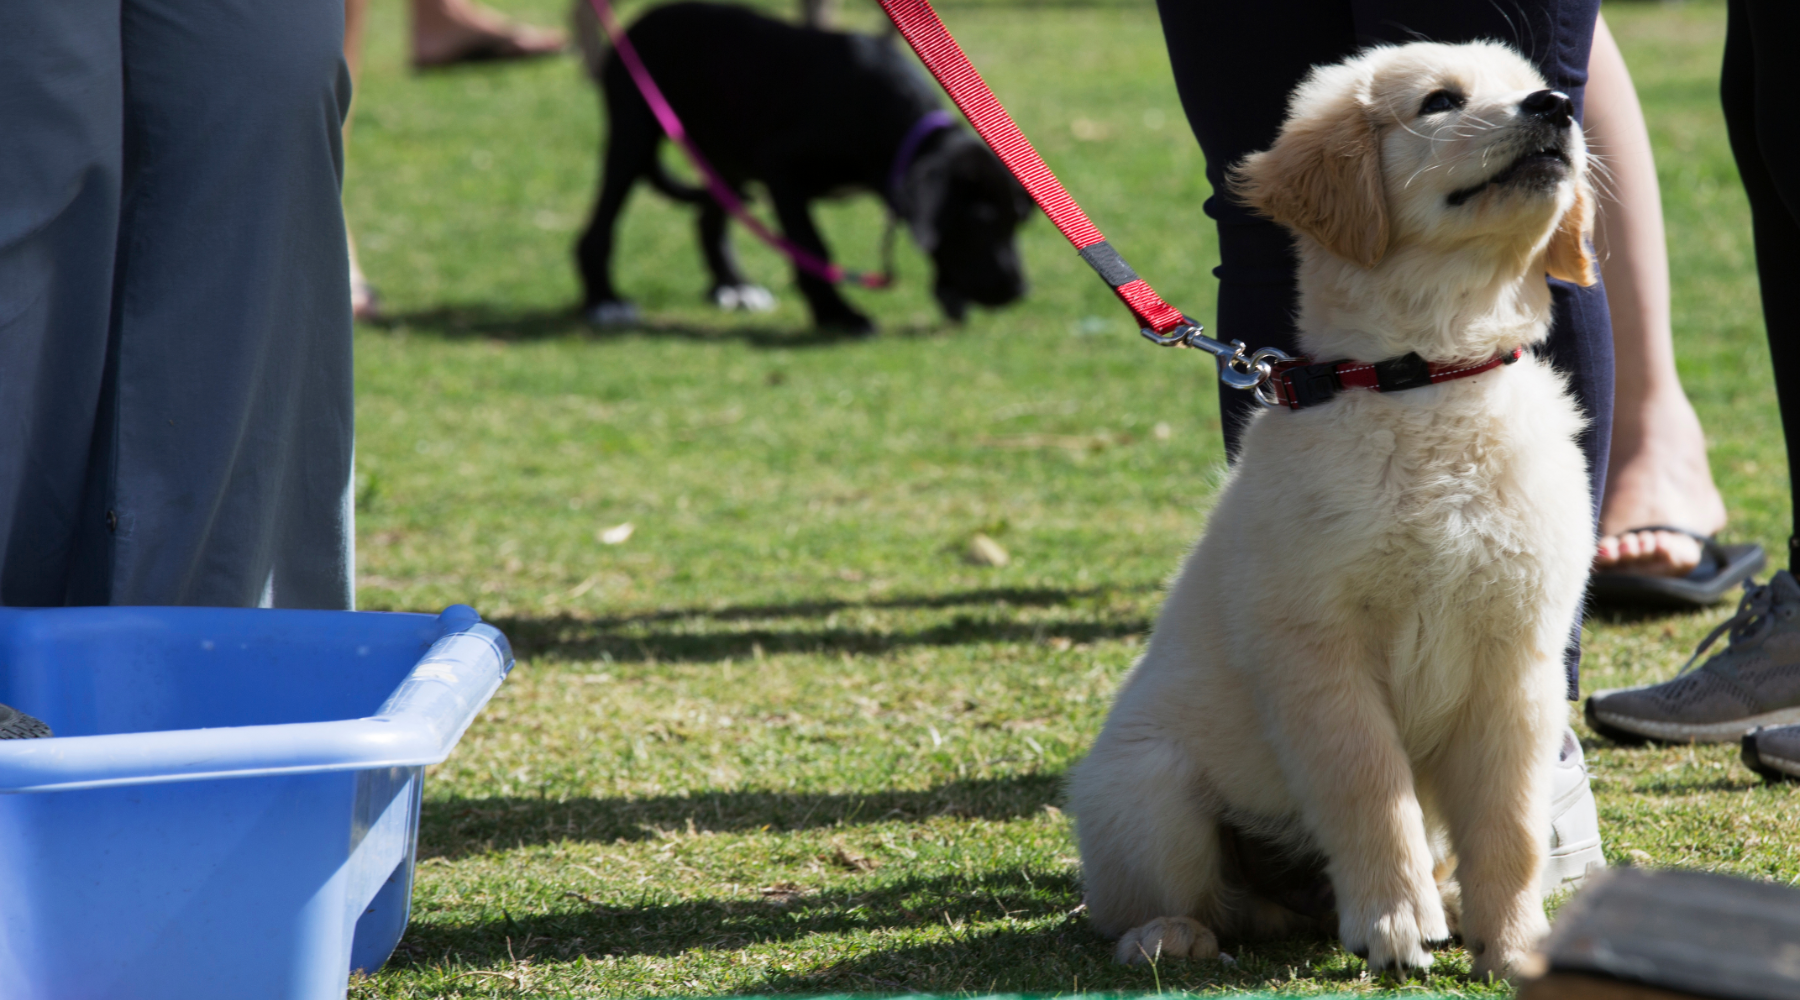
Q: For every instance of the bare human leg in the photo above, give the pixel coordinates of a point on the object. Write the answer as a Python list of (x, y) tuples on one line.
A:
[(365, 302), (1658, 474)]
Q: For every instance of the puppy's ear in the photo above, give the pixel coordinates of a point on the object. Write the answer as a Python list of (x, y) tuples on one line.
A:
[(1570, 256), (1323, 178)]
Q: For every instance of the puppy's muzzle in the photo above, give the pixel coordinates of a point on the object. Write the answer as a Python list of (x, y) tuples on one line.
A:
[(1546, 117)]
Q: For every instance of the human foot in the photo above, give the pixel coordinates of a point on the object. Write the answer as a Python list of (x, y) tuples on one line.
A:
[(1658, 475), (446, 32)]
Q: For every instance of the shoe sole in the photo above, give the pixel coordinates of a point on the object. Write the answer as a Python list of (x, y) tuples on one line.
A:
[(16, 725), (1625, 729), (1773, 769)]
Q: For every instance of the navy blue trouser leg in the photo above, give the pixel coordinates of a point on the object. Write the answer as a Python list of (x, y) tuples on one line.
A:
[(1236, 63), (1759, 89)]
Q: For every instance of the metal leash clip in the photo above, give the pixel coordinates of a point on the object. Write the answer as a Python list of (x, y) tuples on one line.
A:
[(1239, 367)]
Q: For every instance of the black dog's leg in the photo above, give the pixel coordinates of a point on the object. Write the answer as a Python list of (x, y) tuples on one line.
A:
[(630, 144), (829, 309), (730, 289)]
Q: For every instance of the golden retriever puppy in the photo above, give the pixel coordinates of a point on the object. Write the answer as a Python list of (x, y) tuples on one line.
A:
[(1359, 668)]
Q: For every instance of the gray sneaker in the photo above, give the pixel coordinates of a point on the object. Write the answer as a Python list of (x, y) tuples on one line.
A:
[(1773, 752), (16, 725), (1754, 681)]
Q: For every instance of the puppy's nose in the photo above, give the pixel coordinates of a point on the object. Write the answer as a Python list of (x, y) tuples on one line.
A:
[(1552, 106)]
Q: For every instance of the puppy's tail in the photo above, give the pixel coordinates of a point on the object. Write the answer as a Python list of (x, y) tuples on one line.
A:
[(670, 187)]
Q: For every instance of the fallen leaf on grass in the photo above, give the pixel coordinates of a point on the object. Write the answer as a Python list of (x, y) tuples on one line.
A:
[(984, 551), (852, 862), (617, 534), (781, 893), (1088, 130)]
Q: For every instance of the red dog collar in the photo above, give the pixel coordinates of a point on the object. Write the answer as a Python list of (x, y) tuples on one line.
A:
[(1300, 383)]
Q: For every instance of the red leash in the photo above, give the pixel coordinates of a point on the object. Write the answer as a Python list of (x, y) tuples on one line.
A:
[(1159, 321), (922, 29)]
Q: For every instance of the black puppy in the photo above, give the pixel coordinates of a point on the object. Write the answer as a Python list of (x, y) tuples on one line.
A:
[(808, 114)]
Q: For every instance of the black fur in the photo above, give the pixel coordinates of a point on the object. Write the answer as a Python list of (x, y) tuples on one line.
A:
[(807, 114)]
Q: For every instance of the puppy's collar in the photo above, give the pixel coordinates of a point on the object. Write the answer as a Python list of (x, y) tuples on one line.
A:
[(1299, 383)]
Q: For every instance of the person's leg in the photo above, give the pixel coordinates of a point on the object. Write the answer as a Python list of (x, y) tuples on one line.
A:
[(1759, 90), (365, 301), (1755, 680), (224, 464), (1657, 473), (1234, 72), (61, 92)]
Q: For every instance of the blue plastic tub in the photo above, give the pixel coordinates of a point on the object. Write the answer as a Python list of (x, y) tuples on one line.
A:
[(230, 806)]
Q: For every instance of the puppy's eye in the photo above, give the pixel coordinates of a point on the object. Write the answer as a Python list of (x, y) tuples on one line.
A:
[(1442, 100)]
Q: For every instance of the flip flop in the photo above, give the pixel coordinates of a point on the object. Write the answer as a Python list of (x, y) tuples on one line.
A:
[(1721, 568)]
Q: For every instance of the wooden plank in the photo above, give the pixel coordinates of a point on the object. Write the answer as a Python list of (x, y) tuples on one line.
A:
[(1694, 934)]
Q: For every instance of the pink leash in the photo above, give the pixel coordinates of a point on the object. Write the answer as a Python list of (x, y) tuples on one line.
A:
[(803, 258)]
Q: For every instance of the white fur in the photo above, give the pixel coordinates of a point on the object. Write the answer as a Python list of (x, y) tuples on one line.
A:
[(1363, 655)]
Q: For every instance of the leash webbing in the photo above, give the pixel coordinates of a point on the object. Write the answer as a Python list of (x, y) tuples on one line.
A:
[(803, 258), (922, 29)]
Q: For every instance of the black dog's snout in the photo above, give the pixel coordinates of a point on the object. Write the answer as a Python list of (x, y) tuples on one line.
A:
[(1552, 106)]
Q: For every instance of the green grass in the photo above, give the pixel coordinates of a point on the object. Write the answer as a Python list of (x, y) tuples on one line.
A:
[(785, 738)]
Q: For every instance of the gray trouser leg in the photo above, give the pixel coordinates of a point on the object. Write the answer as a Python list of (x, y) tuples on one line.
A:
[(217, 450), (61, 99)]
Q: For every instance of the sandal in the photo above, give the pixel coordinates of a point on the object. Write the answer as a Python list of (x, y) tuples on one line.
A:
[(1722, 567)]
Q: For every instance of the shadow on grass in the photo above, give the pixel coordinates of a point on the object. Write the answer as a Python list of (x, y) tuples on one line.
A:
[(493, 322), (684, 634), (579, 926), (1058, 952), (456, 828)]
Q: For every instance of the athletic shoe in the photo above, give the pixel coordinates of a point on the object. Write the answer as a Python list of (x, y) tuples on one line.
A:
[(16, 725), (1773, 752), (1574, 822), (1754, 682)]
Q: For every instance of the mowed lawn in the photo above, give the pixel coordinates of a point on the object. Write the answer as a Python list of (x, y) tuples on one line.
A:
[(786, 737)]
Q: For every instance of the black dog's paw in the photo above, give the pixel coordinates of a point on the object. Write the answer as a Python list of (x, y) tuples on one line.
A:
[(612, 314), (953, 302), (749, 298)]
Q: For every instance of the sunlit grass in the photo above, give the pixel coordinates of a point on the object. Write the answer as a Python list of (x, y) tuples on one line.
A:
[(786, 737)]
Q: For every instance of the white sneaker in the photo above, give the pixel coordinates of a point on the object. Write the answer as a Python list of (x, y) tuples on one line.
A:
[(748, 298), (1574, 822)]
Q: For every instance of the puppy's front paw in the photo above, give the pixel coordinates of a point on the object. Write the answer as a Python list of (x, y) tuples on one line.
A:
[(612, 314), (749, 298), (1166, 937), (1505, 955), (1396, 936)]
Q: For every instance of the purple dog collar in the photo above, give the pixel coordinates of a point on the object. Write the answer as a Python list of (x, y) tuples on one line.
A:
[(909, 146)]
